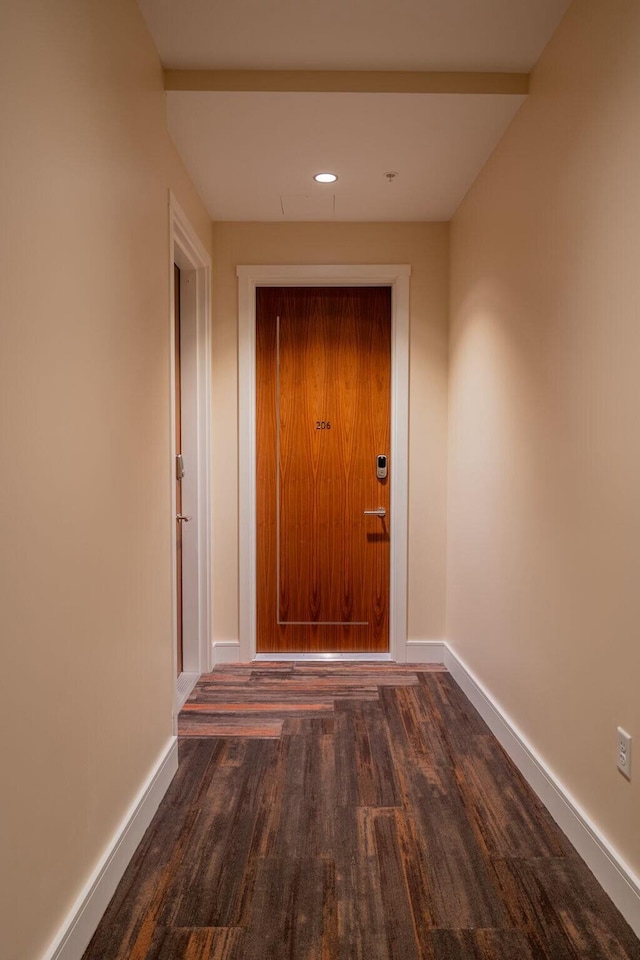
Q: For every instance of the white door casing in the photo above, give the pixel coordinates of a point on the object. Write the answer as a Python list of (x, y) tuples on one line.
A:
[(397, 277), (187, 251)]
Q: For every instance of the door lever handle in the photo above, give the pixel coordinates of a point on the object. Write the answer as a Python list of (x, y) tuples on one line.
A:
[(380, 512), (182, 519)]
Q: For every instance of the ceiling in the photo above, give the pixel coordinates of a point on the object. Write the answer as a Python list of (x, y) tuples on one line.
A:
[(252, 147)]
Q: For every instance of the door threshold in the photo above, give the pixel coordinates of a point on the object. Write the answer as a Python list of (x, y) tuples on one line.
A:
[(326, 657)]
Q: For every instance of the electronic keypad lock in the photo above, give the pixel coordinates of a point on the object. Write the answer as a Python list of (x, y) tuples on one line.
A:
[(381, 467)]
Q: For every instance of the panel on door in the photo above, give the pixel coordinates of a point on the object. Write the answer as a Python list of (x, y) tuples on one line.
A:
[(323, 374)]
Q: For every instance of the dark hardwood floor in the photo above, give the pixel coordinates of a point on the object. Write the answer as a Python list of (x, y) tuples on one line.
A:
[(355, 812)]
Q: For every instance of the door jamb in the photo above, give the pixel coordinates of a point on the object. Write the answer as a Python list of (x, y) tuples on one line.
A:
[(186, 249), (397, 277)]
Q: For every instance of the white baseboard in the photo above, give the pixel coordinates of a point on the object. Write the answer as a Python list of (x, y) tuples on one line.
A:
[(608, 867), (425, 651), (225, 651), (80, 924)]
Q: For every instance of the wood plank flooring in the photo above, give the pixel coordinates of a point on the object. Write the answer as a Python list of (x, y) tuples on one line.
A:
[(351, 812)]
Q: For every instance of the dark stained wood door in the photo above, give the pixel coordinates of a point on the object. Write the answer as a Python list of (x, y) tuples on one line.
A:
[(323, 374), (178, 441)]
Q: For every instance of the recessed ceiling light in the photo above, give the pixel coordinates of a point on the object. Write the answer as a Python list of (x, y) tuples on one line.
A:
[(325, 177)]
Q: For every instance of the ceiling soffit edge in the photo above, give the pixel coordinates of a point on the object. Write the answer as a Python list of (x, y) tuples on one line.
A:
[(347, 81)]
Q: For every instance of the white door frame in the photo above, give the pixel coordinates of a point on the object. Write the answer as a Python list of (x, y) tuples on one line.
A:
[(187, 251), (395, 276)]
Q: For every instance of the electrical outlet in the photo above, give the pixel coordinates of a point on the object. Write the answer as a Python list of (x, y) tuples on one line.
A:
[(624, 752)]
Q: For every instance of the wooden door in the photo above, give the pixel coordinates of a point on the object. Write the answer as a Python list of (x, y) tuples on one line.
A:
[(178, 441), (323, 374)]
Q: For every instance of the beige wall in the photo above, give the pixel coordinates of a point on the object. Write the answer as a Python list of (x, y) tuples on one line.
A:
[(544, 493), (85, 167), (425, 247)]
